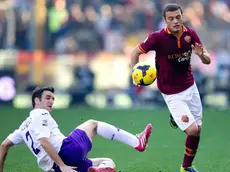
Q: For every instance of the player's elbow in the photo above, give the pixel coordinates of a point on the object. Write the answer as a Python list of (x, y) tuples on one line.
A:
[(135, 53), (6, 144), (3, 146), (44, 141)]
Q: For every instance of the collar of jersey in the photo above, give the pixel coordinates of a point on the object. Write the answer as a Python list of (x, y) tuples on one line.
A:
[(166, 29)]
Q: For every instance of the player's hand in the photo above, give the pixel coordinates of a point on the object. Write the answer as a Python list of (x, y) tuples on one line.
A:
[(198, 49), (66, 168)]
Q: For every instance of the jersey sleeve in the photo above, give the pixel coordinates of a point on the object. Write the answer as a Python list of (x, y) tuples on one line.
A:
[(195, 38), (42, 125), (16, 137), (149, 43)]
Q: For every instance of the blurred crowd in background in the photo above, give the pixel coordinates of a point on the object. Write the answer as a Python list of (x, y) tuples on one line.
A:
[(94, 25), (116, 26)]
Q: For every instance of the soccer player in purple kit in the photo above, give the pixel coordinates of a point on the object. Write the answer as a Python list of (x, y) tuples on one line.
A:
[(173, 46), (54, 151)]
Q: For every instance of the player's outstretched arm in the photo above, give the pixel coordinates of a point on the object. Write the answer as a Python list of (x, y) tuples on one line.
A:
[(6, 144), (200, 51), (136, 52), (48, 147)]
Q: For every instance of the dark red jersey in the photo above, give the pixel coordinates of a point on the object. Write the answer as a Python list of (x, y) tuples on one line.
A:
[(173, 55)]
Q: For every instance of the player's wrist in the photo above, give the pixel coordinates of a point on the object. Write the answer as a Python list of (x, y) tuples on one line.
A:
[(62, 163), (62, 166), (202, 54)]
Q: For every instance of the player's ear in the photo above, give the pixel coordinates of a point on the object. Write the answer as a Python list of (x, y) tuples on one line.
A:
[(37, 101)]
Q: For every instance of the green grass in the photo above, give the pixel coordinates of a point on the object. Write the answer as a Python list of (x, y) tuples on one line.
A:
[(165, 150)]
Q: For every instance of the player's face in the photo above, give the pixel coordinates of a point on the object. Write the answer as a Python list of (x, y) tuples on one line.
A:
[(174, 21), (47, 101)]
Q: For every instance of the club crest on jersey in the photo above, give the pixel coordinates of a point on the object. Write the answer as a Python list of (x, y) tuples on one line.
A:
[(45, 123), (187, 39), (185, 118)]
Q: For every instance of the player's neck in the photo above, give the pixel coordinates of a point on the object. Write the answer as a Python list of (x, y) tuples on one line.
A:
[(177, 34)]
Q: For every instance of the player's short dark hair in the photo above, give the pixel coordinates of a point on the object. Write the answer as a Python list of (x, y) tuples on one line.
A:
[(172, 7), (39, 91)]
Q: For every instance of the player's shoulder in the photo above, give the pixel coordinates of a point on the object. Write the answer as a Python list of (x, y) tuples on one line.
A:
[(157, 33), (190, 30), (39, 112)]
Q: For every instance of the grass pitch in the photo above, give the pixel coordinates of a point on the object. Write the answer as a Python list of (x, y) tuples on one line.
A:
[(166, 146)]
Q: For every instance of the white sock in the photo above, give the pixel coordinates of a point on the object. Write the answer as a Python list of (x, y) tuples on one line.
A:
[(112, 133), (105, 164)]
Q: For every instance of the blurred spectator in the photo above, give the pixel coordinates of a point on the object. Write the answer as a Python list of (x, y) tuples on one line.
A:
[(103, 22), (94, 25), (23, 13), (116, 31), (57, 16), (3, 26), (83, 84)]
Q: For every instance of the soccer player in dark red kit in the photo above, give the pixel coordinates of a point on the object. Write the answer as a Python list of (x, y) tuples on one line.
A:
[(173, 46)]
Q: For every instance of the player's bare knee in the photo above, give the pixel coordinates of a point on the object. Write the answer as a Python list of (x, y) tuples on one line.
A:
[(193, 130), (92, 123)]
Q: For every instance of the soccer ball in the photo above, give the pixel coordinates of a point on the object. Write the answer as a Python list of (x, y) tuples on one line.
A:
[(144, 74)]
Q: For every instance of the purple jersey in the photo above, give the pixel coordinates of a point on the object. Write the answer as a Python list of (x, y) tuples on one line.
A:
[(173, 55), (74, 151)]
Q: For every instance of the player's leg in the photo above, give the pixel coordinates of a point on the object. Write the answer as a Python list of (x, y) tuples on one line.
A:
[(102, 164), (194, 130), (178, 107), (172, 122), (179, 111), (93, 127), (74, 149), (191, 146)]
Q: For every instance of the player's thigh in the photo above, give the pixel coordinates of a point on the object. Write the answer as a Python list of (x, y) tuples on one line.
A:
[(179, 110), (195, 106), (74, 149), (85, 164), (89, 127), (97, 161)]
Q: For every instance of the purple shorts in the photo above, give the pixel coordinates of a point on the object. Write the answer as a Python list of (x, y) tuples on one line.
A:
[(74, 151)]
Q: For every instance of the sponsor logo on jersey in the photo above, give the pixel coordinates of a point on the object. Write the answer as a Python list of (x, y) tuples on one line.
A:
[(44, 123), (185, 56)]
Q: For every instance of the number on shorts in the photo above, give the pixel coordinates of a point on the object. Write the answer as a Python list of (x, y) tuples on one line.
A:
[(36, 151)]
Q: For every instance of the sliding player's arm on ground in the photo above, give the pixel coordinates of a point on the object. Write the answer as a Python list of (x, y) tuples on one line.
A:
[(6, 144), (147, 45), (42, 133), (13, 139), (48, 147)]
